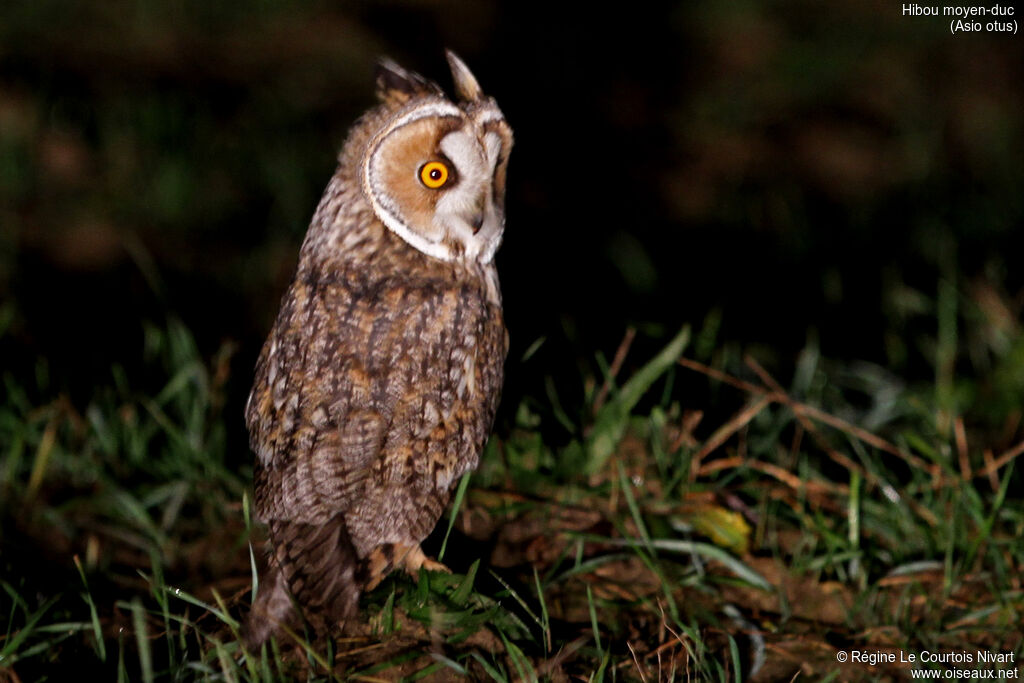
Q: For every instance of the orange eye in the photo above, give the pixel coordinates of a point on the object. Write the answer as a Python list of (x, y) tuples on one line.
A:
[(434, 174)]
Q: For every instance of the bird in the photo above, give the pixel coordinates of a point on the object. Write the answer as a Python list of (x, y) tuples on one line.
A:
[(377, 387)]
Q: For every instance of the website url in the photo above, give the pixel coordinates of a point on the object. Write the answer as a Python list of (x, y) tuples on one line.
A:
[(964, 674)]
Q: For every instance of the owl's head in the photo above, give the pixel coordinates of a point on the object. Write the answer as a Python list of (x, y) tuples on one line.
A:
[(434, 172)]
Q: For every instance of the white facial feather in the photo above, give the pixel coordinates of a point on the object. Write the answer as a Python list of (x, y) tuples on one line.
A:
[(462, 206), (494, 220), (488, 114), (430, 109), (465, 211), (492, 142)]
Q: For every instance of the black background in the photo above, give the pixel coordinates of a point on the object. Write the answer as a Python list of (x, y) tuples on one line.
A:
[(792, 166)]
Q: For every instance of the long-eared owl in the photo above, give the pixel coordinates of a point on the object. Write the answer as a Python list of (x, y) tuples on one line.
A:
[(377, 387)]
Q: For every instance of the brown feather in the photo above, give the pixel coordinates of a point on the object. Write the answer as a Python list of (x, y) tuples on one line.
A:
[(375, 391)]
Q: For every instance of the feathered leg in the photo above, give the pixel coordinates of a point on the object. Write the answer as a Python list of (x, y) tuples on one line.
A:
[(315, 565), (271, 610)]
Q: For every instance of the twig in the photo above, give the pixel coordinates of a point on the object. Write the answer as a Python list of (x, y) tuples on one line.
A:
[(636, 661), (804, 410), (798, 438), (840, 424), (720, 376), (788, 478), (806, 413), (961, 448), (803, 418), (722, 434), (690, 421), (616, 366), (1003, 459), (993, 479)]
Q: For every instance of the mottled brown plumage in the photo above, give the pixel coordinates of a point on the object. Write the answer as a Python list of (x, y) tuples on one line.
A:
[(378, 384)]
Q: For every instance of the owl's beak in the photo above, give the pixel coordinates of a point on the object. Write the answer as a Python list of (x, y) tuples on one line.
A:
[(477, 222)]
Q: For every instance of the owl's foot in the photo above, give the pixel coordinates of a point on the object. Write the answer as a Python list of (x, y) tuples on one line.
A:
[(377, 565), (383, 559), (413, 559)]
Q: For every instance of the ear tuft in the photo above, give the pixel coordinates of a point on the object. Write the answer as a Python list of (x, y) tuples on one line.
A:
[(466, 86), (397, 86)]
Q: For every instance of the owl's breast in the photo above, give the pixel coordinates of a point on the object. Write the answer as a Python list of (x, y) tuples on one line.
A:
[(374, 389)]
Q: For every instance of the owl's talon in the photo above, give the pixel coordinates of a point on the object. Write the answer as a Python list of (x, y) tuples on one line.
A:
[(377, 567), (414, 559), (435, 566)]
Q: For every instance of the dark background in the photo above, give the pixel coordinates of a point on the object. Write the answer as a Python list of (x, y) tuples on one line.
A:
[(797, 169)]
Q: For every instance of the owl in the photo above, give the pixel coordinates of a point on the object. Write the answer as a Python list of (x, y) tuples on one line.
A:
[(377, 387)]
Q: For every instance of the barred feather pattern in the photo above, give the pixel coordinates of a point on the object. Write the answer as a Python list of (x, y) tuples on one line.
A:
[(314, 565)]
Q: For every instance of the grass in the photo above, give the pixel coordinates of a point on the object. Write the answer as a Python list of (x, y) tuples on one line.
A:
[(731, 515), (699, 522)]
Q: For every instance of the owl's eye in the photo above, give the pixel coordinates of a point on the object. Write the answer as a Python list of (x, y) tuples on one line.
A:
[(434, 174)]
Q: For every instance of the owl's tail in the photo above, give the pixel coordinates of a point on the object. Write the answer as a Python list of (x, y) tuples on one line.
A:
[(313, 568)]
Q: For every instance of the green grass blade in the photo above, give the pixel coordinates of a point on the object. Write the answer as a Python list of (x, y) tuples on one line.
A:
[(142, 640), (97, 630), (706, 550), (593, 620), (460, 495), (610, 422)]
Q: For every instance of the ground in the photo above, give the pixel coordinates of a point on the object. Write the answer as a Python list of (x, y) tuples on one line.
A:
[(647, 544)]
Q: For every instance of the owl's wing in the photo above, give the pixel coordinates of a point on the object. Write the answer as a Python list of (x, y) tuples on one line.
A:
[(346, 375)]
